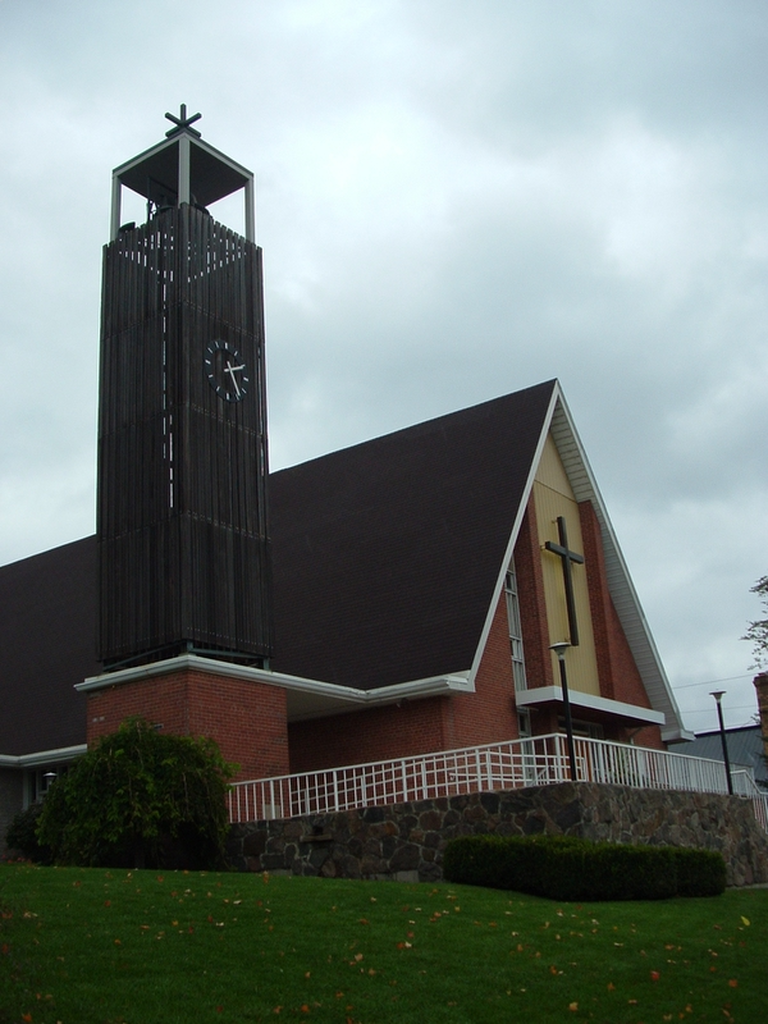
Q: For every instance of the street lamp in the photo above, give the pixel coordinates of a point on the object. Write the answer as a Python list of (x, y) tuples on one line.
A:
[(718, 695), (560, 649)]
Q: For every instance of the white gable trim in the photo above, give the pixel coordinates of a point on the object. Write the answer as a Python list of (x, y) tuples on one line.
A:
[(560, 423), (519, 514)]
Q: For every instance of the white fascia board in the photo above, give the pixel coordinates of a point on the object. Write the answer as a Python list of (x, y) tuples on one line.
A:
[(589, 701), (383, 695), (42, 757), (519, 514), (560, 423), (415, 688), (193, 662), (620, 586)]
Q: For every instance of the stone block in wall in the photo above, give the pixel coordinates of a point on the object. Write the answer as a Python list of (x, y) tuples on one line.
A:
[(393, 842)]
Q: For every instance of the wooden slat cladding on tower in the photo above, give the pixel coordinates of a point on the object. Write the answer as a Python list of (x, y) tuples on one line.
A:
[(182, 502)]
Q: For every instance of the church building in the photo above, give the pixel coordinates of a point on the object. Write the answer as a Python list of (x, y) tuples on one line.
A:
[(423, 591)]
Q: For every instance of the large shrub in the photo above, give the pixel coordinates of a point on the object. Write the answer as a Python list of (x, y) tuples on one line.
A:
[(566, 868), (140, 798), (21, 836)]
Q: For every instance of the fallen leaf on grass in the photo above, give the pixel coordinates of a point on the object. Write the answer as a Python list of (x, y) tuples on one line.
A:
[(733, 983), (573, 1007), (745, 920)]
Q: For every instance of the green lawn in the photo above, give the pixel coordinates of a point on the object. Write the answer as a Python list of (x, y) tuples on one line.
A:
[(93, 946)]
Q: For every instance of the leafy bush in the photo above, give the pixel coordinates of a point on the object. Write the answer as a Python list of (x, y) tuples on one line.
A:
[(21, 836), (566, 868), (140, 798)]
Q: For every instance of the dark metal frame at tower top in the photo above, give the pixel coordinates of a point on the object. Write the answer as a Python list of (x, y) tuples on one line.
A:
[(184, 552)]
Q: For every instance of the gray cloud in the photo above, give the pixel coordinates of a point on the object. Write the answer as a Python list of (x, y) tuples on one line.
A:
[(455, 201)]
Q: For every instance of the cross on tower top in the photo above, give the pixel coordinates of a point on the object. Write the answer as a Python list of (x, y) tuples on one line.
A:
[(183, 123), (568, 557)]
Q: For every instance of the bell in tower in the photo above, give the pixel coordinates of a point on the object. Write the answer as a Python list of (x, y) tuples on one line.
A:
[(182, 529)]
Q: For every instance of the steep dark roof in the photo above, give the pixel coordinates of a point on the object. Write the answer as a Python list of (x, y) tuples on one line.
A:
[(47, 644), (386, 554), (385, 557)]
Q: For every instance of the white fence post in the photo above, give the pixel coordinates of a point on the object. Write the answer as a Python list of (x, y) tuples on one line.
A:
[(535, 760)]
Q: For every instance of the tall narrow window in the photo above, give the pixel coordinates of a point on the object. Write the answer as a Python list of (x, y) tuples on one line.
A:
[(515, 629)]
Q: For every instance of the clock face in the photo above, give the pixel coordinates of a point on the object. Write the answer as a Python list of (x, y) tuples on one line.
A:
[(226, 371)]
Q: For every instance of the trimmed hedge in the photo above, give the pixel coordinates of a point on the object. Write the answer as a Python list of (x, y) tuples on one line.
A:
[(567, 868)]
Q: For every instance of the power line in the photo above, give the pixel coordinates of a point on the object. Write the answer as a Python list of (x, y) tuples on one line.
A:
[(712, 682), (728, 708)]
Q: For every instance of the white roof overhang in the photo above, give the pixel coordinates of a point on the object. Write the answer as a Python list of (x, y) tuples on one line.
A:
[(307, 698), (38, 758), (590, 702)]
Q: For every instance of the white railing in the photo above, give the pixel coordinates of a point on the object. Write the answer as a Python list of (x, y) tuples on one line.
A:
[(537, 761)]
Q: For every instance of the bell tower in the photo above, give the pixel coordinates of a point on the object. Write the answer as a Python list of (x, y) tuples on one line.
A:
[(182, 528)]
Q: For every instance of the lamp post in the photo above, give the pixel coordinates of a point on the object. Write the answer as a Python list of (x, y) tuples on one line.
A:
[(718, 695), (560, 649)]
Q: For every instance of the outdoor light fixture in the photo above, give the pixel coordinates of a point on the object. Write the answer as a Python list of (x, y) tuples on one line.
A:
[(560, 649), (718, 695)]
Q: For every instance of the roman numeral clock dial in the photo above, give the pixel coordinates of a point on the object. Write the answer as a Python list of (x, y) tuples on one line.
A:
[(226, 371)]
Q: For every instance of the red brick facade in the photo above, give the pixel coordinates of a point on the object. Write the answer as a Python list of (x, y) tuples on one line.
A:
[(618, 674), (533, 609), (761, 686), (489, 714), (248, 720), (376, 734)]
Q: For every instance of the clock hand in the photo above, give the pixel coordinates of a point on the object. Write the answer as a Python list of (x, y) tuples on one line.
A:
[(232, 370)]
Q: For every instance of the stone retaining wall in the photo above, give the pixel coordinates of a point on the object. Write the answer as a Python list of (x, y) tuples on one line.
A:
[(405, 842)]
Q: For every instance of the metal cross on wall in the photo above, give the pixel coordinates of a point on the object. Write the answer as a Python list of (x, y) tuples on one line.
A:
[(568, 558)]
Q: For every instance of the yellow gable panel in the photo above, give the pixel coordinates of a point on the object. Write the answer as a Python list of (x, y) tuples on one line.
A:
[(553, 497)]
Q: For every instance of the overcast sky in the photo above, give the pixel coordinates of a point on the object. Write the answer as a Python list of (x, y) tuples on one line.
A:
[(456, 199)]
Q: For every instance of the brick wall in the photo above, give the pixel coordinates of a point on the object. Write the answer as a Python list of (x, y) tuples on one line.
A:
[(375, 734), (489, 714), (246, 719), (761, 686), (533, 609), (619, 677)]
